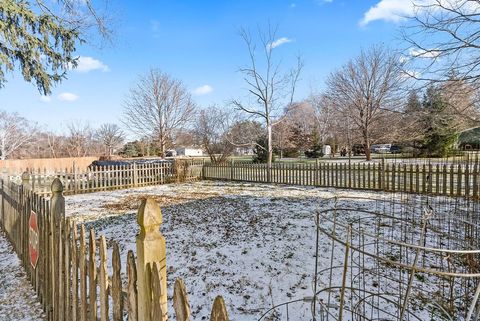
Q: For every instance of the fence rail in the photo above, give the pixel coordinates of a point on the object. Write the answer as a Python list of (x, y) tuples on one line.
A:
[(71, 277), (446, 179)]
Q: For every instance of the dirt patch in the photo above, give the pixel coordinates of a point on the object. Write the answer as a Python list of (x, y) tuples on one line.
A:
[(132, 202)]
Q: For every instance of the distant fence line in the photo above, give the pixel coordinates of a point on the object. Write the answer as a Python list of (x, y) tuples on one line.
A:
[(67, 265), (446, 179), (460, 179), (103, 178), (48, 165)]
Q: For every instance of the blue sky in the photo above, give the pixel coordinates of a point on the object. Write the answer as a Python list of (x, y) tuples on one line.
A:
[(198, 43)]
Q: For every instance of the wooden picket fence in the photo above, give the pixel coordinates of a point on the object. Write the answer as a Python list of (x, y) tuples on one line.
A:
[(71, 277), (437, 179), (103, 178)]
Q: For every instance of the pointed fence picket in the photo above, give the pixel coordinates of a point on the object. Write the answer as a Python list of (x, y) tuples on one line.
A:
[(71, 278)]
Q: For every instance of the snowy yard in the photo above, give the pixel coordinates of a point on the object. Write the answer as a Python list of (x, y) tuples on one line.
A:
[(254, 244), (18, 301)]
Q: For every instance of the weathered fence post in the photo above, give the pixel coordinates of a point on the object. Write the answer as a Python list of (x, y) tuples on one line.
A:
[(57, 210), (3, 205), (202, 172), (26, 179), (180, 301), (74, 171), (150, 248), (135, 175), (57, 207), (383, 174), (219, 311)]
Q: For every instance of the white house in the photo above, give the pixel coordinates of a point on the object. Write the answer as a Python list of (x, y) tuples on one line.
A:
[(244, 151), (189, 151)]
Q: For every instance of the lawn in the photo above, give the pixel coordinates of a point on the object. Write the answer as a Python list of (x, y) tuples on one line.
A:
[(254, 244)]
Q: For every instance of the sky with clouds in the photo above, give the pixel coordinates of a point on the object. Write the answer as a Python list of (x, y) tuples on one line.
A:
[(198, 42)]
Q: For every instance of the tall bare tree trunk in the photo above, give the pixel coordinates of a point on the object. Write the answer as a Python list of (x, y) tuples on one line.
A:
[(270, 152), (368, 153)]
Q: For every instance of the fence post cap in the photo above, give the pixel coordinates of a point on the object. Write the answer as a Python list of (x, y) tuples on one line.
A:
[(149, 216), (219, 311), (57, 186)]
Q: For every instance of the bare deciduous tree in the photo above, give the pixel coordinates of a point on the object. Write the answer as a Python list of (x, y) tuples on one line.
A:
[(443, 37), (157, 106), (79, 139), (269, 88), (111, 136), (15, 131), (366, 90), (244, 133), (282, 132), (324, 115), (444, 46), (221, 132), (54, 143), (211, 130)]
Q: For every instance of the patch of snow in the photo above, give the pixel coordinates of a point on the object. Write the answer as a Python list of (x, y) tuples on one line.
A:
[(18, 300)]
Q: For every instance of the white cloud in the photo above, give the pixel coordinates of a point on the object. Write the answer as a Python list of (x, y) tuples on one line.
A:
[(45, 99), (396, 10), (67, 97), (203, 90), (388, 10), (420, 53), (86, 64), (278, 42)]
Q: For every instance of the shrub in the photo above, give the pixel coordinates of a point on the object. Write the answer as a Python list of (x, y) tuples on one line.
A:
[(315, 152), (261, 151)]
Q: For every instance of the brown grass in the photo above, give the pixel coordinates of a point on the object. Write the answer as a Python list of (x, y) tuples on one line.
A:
[(132, 202)]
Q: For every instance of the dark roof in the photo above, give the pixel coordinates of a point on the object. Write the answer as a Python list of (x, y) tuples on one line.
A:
[(129, 162)]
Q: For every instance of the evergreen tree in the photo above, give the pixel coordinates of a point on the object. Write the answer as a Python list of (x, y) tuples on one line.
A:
[(130, 149), (440, 137), (316, 147), (413, 102), (40, 37), (261, 151)]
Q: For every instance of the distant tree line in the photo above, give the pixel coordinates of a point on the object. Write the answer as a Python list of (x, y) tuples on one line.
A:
[(21, 138)]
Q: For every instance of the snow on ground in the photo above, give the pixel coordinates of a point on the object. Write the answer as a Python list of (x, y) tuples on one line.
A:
[(18, 300), (254, 244)]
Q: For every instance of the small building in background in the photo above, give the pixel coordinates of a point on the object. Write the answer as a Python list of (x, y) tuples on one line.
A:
[(244, 151), (327, 150), (189, 151)]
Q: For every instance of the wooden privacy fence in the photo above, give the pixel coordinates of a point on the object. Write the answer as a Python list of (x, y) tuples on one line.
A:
[(103, 178), (72, 277), (446, 179)]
